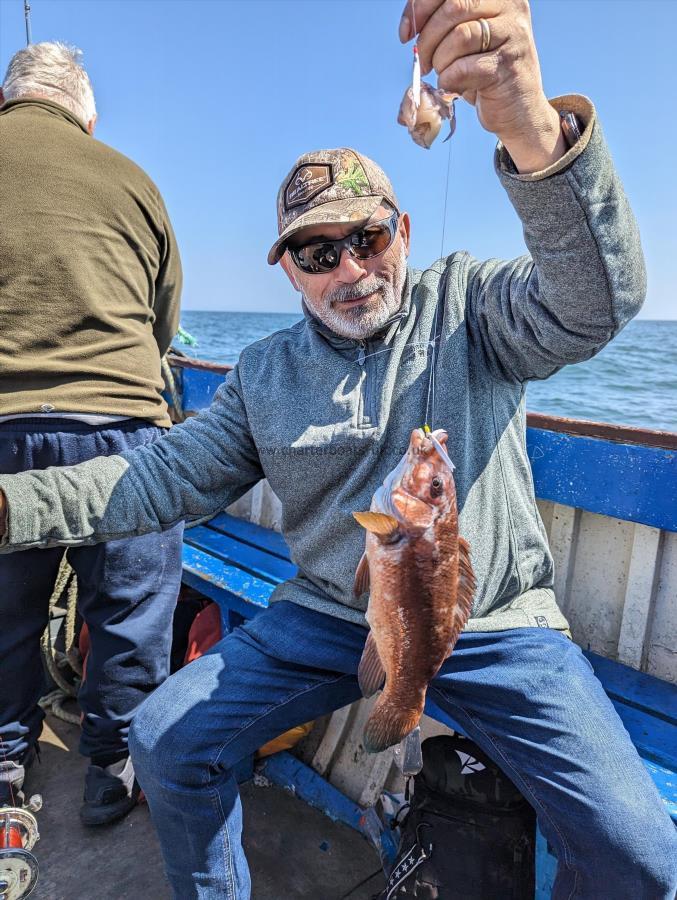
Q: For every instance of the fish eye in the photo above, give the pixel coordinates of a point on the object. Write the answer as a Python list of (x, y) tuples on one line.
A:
[(436, 486)]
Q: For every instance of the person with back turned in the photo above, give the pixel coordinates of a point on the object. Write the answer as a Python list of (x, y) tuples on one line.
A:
[(90, 282), (325, 410)]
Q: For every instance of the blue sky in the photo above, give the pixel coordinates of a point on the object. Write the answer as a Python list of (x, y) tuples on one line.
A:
[(216, 100)]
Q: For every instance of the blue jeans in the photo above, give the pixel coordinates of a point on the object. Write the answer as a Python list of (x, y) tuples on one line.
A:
[(127, 591), (528, 697)]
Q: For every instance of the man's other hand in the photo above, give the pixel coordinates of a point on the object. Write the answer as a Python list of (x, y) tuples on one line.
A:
[(485, 51)]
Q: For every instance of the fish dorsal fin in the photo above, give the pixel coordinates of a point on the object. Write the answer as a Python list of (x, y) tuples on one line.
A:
[(377, 523), (361, 576), (370, 674), (466, 576)]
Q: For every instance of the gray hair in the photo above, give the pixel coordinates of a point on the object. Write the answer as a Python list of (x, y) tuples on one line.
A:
[(51, 70)]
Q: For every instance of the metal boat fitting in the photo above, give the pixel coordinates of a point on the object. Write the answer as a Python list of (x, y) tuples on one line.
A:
[(18, 835)]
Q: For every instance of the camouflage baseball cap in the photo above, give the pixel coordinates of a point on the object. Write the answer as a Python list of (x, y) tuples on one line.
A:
[(338, 186)]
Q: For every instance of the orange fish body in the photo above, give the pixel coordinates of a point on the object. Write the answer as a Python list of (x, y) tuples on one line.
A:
[(421, 586)]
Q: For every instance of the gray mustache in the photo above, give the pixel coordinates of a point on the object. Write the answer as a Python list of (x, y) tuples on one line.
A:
[(355, 291)]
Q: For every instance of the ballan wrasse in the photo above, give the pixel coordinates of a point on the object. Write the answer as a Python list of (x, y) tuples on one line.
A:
[(418, 571)]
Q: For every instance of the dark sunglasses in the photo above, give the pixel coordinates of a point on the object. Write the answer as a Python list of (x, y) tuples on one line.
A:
[(324, 256)]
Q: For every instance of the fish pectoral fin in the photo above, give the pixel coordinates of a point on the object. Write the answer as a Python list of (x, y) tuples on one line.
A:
[(377, 523), (466, 577), (370, 673), (361, 584)]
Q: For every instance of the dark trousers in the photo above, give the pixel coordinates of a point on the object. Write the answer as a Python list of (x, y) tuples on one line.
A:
[(127, 591)]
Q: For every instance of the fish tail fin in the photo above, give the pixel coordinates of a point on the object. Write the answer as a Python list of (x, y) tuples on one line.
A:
[(388, 724)]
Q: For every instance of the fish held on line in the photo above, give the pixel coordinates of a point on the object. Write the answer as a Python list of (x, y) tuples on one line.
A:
[(417, 569)]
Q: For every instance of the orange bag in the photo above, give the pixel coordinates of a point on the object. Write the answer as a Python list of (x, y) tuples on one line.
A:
[(204, 632), (285, 741)]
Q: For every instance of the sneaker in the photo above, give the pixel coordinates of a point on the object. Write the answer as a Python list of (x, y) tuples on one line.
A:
[(110, 793), (12, 775)]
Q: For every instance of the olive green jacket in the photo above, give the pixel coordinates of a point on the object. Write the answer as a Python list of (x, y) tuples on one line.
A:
[(90, 277)]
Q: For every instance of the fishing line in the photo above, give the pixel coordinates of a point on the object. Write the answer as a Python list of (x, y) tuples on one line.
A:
[(433, 342), (390, 349), (430, 401), (446, 200), (416, 96)]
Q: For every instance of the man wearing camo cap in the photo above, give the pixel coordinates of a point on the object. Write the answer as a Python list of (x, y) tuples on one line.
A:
[(324, 411), (342, 191)]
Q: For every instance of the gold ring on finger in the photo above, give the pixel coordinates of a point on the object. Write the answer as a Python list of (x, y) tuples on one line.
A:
[(486, 35)]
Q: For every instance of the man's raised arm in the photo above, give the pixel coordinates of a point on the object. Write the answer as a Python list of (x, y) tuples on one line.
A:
[(195, 470), (586, 277)]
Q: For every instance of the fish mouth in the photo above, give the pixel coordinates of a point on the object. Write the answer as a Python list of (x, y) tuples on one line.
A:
[(392, 499), (422, 440)]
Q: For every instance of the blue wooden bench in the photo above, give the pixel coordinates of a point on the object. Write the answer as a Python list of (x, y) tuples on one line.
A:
[(237, 564)]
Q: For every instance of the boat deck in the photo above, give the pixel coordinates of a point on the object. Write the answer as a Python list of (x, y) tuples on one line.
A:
[(294, 851)]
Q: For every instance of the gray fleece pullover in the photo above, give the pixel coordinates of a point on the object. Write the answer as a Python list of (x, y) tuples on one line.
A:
[(324, 418)]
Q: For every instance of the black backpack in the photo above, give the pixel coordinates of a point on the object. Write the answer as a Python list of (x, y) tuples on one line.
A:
[(469, 833)]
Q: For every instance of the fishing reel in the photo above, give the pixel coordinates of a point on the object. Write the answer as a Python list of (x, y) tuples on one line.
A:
[(18, 835)]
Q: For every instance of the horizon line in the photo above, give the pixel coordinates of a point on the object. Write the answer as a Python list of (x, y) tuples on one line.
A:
[(291, 312)]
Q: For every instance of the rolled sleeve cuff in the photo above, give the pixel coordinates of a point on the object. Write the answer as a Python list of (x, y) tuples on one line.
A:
[(576, 103), (19, 525)]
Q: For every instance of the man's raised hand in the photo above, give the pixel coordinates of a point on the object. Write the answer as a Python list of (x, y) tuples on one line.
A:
[(485, 51)]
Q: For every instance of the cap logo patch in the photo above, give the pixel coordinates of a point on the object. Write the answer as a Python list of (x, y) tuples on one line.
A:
[(307, 182)]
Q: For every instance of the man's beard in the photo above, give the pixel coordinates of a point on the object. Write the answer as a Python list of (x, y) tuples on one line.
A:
[(361, 321)]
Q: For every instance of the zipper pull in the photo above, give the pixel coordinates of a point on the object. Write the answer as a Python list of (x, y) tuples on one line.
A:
[(361, 356)]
